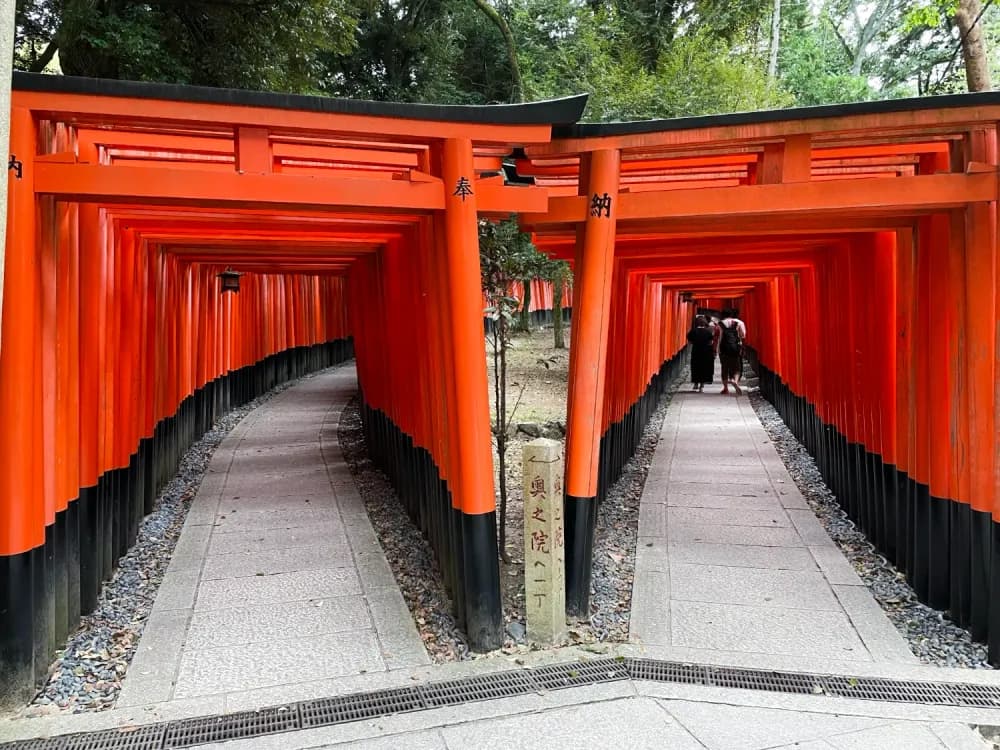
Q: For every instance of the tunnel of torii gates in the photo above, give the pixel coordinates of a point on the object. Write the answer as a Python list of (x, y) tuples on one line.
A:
[(859, 242)]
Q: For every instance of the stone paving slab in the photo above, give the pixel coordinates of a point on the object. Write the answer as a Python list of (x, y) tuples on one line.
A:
[(799, 589), (265, 623), (742, 556), (765, 630), (278, 578), (227, 669), (329, 534), (730, 559), (770, 518), (724, 502)]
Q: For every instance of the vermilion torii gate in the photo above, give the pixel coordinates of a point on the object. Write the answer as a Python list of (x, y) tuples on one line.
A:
[(354, 226), (860, 242)]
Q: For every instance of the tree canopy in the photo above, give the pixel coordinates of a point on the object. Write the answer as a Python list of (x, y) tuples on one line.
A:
[(637, 58)]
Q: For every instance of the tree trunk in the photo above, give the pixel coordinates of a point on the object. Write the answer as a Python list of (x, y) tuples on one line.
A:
[(772, 65), (968, 20), (502, 440), (526, 307), (558, 284), (517, 92)]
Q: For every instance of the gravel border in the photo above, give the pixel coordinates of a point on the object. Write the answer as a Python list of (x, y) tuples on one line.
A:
[(618, 530), (931, 636), (416, 571), (407, 551), (87, 673)]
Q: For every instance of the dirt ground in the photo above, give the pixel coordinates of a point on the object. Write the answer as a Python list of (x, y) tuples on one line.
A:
[(539, 392)]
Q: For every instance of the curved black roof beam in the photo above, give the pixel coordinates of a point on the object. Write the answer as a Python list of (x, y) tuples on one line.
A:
[(636, 127), (562, 111)]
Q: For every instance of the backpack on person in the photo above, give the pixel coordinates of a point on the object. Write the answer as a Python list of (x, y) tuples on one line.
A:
[(730, 341)]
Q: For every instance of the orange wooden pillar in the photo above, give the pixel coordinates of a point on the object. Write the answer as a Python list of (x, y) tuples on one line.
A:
[(588, 353), (24, 637), (473, 482)]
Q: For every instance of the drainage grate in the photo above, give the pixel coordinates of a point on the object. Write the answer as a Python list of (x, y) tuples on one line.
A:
[(147, 737), (231, 726), (479, 688), (981, 696), (665, 671), (344, 708), (555, 676), (874, 689), (775, 682), (54, 743), (347, 708)]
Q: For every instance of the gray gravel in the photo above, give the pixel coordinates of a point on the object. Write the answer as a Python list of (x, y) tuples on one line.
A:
[(413, 564), (617, 529), (87, 674), (406, 549), (932, 637)]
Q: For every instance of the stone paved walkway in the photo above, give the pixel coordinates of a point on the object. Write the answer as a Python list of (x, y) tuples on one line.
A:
[(648, 716), (278, 580), (730, 559), (278, 592)]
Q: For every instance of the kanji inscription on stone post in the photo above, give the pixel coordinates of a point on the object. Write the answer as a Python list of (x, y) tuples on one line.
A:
[(544, 545)]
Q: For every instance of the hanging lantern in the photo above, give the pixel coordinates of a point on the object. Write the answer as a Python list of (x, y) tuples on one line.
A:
[(230, 280)]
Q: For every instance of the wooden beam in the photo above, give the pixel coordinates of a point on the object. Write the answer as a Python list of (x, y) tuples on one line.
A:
[(166, 186), (846, 197)]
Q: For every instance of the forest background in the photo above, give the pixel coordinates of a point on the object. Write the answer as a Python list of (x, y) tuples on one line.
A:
[(636, 58)]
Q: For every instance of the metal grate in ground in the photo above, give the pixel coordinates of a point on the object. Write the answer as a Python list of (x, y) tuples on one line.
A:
[(871, 689), (774, 682), (555, 676), (380, 703), (480, 688), (344, 708), (126, 738), (191, 732)]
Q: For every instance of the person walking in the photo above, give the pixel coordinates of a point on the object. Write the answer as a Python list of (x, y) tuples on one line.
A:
[(702, 354), (729, 338)]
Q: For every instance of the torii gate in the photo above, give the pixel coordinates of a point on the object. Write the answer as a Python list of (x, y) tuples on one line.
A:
[(816, 221), (354, 225)]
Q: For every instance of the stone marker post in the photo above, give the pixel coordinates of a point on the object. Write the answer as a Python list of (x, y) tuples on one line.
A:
[(544, 545)]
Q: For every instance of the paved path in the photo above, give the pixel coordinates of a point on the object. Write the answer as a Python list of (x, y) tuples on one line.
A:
[(278, 583), (646, 715), (279, 592), (731, 561)]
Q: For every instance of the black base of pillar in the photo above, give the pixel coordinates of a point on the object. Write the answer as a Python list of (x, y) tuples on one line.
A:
[(90, 547), (61, 578), (992, 614), (581, 520), (483, 616), (983, 582), (44, 605), (17, 618), (960, 565)]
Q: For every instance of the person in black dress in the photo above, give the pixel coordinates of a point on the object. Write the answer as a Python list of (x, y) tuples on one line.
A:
[(702, 354)]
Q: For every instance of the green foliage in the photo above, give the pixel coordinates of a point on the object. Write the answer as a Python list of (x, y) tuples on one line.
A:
[(637, 58), (506, 255), (929, 15), (815, 69), (232, 43), (565, 48)]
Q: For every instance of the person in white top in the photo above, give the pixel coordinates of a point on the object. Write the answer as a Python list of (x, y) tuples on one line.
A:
[(729, 337)]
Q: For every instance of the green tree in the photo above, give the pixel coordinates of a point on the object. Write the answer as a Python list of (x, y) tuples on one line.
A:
[(506, 255), (253, 44), (700, 67)]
